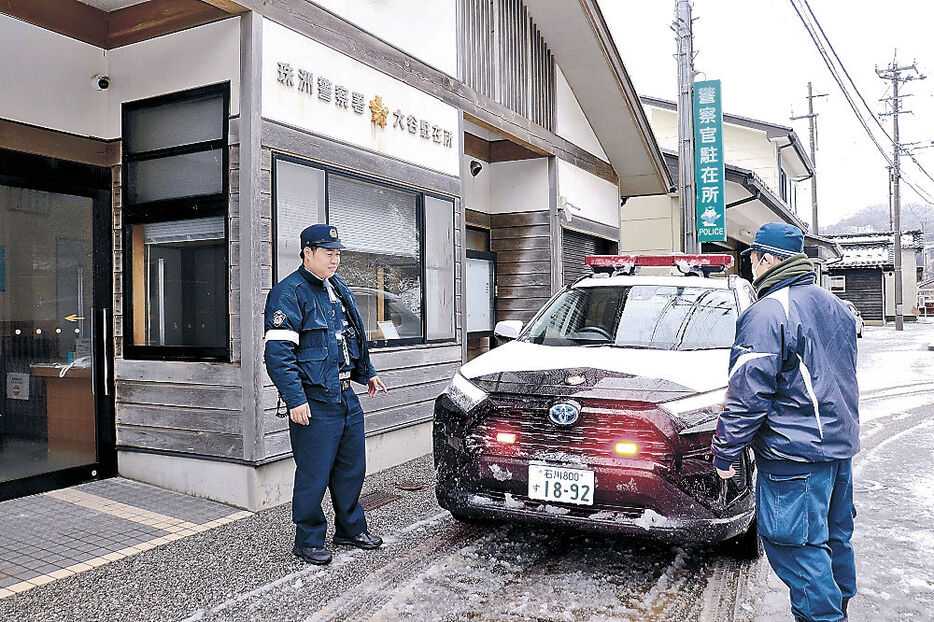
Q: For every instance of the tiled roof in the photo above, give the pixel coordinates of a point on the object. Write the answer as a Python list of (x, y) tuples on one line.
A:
[(873, 250)]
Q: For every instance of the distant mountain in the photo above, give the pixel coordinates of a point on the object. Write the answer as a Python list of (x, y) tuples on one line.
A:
[(876, 218)]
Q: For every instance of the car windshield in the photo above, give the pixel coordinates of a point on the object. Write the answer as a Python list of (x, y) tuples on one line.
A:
[(661, 317)]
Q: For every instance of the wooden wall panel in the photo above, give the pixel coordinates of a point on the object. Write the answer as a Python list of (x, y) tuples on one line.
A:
[(183, 441), (865, 289), (522, 243)]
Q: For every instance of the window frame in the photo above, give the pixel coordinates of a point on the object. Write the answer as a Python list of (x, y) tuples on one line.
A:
[(177, 208), (420, 225)]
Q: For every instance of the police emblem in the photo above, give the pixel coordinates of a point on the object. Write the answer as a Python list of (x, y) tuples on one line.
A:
[(333, 233), (278, 317)]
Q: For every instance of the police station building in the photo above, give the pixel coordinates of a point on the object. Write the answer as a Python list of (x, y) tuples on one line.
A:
[(158, 160)]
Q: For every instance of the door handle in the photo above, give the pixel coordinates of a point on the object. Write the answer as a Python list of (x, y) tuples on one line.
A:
[(105, 336)]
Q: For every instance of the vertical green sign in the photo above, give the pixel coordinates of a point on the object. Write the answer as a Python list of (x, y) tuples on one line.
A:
[(708, 162)]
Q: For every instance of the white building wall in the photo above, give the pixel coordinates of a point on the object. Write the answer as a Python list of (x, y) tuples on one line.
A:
[(424, 29), (570, 121), (52, 86), (52, 69), (909, 286), (475, 191), (180, 61), (743, 147), (651, 225), (518, 186), (587, 196)]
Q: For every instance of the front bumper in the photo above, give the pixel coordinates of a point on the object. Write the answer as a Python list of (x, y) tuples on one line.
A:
[(632, 497)]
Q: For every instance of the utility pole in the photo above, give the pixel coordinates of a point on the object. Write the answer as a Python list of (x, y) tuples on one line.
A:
[(897, 75), (811, 116), (686, 187), (891, 210)]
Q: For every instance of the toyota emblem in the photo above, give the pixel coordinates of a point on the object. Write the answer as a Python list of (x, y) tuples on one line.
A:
[(564, 413)]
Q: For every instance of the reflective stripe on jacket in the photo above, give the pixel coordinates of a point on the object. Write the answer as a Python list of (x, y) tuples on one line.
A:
[(792, 391), (303, 355)]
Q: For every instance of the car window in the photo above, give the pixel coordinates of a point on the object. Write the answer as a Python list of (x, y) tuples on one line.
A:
[(642, 316)]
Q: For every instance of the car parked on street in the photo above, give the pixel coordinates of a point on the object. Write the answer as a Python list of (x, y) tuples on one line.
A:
[(599, 413), (857, 316)]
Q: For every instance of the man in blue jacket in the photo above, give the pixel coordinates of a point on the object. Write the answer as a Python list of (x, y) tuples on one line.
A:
[(315, 345), (793, 396)]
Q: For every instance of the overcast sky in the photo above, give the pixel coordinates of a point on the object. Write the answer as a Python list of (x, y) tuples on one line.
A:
[(765, 58)]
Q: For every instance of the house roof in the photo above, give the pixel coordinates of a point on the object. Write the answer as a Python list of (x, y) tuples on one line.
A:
[(772, 130), (581, 42), (873, 250)]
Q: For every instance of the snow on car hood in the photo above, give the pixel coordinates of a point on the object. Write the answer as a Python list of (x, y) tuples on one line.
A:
[(698, 370)]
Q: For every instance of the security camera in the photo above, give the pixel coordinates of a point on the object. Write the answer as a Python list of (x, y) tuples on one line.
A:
[(475, 168), (100, 82)]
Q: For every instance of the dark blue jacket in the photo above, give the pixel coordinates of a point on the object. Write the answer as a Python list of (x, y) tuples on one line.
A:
[(792, 392), (303, 355)]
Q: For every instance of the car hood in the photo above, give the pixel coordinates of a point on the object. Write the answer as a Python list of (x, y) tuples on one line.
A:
[(608, 372)]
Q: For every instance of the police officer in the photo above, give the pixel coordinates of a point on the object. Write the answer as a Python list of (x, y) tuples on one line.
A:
[(315, 345)]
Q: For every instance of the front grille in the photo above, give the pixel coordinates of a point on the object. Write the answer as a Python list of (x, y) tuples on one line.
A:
[(594, 435)]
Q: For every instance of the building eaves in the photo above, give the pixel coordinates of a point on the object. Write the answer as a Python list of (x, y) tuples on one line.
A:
[(772, 130), (583, 47)]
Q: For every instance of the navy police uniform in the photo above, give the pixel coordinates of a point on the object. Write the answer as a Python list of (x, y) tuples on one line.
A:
[(315, 346)]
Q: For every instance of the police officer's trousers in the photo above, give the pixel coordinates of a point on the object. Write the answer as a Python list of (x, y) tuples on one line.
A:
[(805, 513), (329, 454)]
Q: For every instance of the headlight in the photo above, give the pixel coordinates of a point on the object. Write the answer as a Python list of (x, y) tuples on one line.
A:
[(465, 394), (699, 412)]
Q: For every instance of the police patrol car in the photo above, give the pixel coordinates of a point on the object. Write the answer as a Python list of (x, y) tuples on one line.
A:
[(599, 413)]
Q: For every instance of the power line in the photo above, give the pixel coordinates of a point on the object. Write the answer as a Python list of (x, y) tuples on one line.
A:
[(846, 92), (807, 4)]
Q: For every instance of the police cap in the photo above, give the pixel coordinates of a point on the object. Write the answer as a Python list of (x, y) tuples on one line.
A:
[(324, 236)]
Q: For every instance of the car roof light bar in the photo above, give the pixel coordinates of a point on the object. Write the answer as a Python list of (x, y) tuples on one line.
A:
[(687, 264)]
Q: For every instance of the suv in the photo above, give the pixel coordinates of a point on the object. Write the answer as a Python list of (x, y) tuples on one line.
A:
[(599, 413)]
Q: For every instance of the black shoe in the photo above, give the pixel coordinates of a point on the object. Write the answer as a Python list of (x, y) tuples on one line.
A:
[(317, 555), (364, 540)]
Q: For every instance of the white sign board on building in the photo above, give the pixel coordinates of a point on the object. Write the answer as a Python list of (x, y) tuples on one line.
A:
[(312, 87), (17, 386)]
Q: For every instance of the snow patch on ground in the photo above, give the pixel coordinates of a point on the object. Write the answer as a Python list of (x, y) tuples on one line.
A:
[(515, 573)]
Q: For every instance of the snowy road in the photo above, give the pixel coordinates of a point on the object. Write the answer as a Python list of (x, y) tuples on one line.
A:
[(434, 568)]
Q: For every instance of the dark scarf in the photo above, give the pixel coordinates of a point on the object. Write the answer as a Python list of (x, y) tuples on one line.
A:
[(794, 266)]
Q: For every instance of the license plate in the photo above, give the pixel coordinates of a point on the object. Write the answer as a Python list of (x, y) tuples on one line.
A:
[(548, 483)]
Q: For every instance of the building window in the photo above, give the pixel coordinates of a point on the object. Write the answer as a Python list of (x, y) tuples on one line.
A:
[(838, 284), (175, 170), (405, 294)]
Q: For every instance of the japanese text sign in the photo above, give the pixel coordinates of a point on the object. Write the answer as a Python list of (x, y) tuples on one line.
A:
[(708, 162)]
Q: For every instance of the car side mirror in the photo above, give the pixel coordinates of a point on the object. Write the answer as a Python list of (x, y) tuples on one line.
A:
[(507, 330)]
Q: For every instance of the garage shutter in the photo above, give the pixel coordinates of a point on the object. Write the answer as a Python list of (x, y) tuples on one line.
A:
[(575, 247)]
